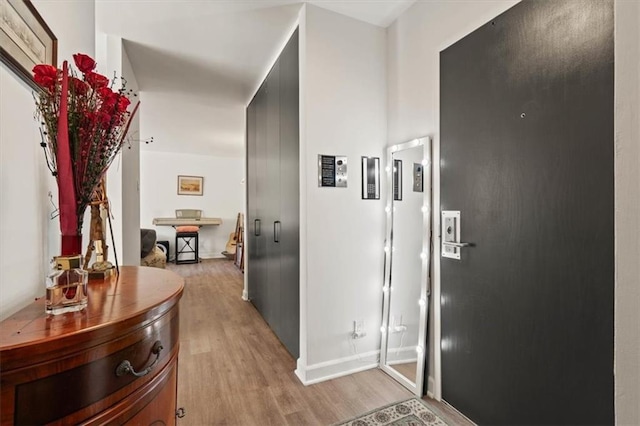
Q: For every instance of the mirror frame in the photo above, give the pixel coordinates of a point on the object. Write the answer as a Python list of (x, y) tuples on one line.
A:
[(425, 285)]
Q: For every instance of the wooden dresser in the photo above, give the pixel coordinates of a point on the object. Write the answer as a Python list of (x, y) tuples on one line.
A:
[(72, 369)]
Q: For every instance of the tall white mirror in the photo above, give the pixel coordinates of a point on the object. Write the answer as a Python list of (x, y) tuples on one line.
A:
[(407, 262)]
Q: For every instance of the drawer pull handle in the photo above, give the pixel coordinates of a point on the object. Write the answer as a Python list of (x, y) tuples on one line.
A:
[(125, 366)]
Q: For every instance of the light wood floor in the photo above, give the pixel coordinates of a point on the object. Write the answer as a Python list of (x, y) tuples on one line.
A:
[(234, 371)]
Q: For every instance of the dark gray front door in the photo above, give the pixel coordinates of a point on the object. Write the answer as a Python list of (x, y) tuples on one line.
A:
[(527, 158)]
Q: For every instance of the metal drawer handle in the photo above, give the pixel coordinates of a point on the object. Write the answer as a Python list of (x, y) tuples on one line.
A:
[(457, 245), (276, 231), (125, 366)]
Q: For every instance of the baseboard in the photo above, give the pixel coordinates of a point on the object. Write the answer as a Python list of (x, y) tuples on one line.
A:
[(402, 361), (333, 369), (245, 295), (401, 355), (211, 255), (300, 372), (430, 387)]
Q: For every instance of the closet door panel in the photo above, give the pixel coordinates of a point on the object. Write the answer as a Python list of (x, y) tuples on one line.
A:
[(252, 215), (259, 260), (290, 198), (272, 201)]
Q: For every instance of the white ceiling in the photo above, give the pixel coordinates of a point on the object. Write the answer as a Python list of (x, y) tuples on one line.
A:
[(198, 62)]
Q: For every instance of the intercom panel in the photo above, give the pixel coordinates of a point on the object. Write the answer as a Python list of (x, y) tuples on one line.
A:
[(418, 177), (332, 171)]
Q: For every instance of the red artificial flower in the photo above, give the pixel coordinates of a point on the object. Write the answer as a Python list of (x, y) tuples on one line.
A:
[(109, 101), (79, 86), (123, 103), (104, 118), (45, 75), (84, 63), (104, 92), (96, 80)]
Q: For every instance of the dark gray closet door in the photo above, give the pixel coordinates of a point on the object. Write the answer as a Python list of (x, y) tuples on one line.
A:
[(527, 158), (273, 198), (273, 311), (252, 191), (290, 198), (258, 251)]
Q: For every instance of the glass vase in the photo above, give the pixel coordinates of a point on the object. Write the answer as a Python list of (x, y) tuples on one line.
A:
[(67, 283)]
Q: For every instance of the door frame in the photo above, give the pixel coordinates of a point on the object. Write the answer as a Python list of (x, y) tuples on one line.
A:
[(435, 379)]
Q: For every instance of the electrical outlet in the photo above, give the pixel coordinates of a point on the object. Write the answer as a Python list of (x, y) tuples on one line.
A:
[(396, 324), (400, 328), (358, 329)]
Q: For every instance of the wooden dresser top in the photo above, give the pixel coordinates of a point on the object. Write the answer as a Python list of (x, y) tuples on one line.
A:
[(117, 305)]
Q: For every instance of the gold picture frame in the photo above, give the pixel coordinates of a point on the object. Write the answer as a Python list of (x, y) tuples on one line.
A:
[(25, 39), (190, 185)]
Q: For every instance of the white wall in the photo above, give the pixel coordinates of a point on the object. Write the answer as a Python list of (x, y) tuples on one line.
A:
[(123, 174), (109, 58), (131, 175), (73, 23), (28, 238), (627, 213), (343, 102), (24, 207), (223, 194)]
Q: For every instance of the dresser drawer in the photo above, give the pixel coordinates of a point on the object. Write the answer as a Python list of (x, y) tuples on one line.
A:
[(77, 387), (63, 369)]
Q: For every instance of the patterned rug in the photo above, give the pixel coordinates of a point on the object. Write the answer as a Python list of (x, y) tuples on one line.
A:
[(412, 412)]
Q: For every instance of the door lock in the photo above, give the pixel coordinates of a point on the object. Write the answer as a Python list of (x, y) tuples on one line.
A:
[(451, 243)]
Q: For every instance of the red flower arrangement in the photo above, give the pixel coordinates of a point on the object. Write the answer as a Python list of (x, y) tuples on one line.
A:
[(84, 123)]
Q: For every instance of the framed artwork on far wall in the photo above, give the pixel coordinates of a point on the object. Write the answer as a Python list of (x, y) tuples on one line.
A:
[(25, 39), (190, 185)]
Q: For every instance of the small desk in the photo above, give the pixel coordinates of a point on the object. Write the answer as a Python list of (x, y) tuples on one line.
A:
[(183, 221)]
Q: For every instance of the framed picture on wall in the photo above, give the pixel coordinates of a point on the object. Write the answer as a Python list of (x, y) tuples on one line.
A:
[(397, 180), (25, 39), (190, 185), (370, 178)]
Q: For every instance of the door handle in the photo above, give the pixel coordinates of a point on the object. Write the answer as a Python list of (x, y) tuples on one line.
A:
[(276, 231), (457, 245), (256, 228)]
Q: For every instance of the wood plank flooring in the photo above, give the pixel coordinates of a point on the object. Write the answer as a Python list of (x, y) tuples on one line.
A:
[(234, 371)]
